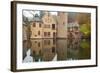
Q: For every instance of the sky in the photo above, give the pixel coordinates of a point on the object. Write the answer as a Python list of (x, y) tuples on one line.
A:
[(29, 13)]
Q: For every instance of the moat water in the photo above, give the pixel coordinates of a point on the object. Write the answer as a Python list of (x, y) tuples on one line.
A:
[(38, 50)]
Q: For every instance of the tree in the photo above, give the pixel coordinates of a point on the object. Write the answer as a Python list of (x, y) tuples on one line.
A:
[(85, 29)]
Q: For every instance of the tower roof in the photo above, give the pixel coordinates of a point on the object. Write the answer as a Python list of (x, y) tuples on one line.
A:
[(37, 18)]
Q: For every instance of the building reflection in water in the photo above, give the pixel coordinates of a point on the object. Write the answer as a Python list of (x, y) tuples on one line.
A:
[(61, 49), (57, 49)]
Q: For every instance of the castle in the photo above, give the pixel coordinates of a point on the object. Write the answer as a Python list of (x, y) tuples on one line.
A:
[(46, 25)]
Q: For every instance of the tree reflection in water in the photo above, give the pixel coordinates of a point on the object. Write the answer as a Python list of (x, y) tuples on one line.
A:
[(57, 49)]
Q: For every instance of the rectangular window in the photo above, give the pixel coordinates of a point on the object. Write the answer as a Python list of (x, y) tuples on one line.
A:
[(40, 25), (53, 26), (45, 34), (54, 34), (53, 49), (48, 34), (34, 25), (38, 32), (54, 41), (45, 42), (39, 44), (48, 42)]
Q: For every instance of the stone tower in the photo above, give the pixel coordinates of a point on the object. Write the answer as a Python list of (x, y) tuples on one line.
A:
[(62, 21)]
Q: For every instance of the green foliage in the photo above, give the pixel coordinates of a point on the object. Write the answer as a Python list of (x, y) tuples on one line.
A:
[(85, 29), (85, 51), (84, 44)]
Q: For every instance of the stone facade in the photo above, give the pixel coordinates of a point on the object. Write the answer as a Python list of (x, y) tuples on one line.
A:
[(49, 26)]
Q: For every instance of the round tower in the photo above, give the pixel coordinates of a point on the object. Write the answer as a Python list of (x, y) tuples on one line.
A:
[(62, 22)]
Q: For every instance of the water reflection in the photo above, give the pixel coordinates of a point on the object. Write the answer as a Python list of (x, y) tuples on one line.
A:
[(56, 49)]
